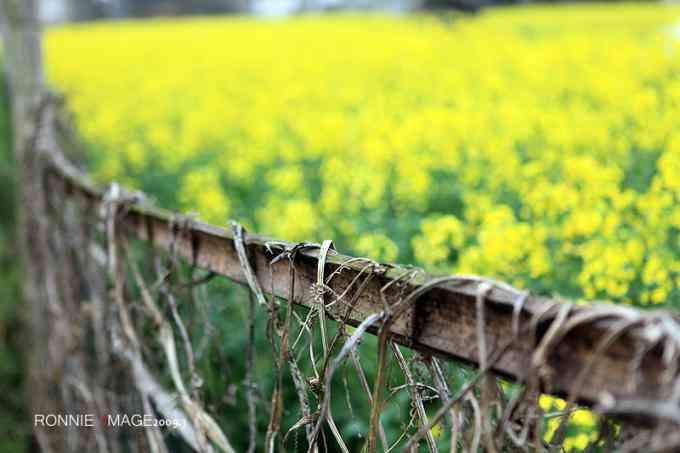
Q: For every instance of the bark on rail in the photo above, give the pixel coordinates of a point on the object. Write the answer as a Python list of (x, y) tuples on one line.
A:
[(441, 322)]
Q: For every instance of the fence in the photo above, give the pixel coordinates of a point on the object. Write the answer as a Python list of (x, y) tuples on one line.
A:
[(123, 279)]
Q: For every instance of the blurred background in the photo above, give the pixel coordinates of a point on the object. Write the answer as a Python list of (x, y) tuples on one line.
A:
[(53, 11), (534, 143)]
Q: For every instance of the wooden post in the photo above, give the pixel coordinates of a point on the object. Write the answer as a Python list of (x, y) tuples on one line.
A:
[(22, 56), (21, 35)]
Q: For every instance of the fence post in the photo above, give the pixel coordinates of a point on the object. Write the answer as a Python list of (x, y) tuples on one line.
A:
[(22, 56)]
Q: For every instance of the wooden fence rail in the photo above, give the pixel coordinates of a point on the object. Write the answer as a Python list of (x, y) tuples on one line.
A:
[(621, 360), (617, 357)]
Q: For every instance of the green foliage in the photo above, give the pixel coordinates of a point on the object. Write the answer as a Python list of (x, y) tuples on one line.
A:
[(14, 427)]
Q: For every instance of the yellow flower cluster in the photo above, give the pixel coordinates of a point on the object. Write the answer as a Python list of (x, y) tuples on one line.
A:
[(537, 144), (437, 238), (581, 430)]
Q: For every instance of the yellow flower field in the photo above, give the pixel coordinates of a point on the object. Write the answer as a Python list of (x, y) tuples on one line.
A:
[(535, 144)]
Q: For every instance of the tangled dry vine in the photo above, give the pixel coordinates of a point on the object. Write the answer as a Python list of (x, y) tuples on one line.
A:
[(127, 273)]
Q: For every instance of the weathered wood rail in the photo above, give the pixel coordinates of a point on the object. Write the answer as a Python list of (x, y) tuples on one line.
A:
[(443, 321)]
